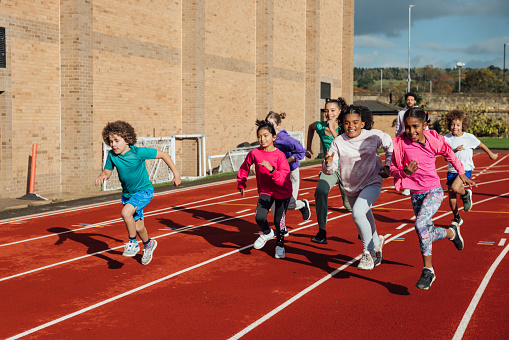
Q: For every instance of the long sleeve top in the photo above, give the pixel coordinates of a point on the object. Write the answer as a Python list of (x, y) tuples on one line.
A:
[(290, 147), (426, 177), (276, 184), (359, 158)]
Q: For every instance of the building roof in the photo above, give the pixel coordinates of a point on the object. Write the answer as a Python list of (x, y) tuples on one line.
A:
[(379, 108)]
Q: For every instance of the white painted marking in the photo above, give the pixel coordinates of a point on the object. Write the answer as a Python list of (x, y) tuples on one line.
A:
[(477, 297), (401, 226), (506, 230), (502, 242), (305, 222), (242, 211)]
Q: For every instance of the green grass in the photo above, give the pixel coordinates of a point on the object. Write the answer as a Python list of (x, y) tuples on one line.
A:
[(495, 143)]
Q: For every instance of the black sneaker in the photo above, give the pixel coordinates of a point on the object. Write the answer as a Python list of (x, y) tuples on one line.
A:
[(458, 219), (305, 211), (427, 278), (321, 237), (457, 240), (467, 200)]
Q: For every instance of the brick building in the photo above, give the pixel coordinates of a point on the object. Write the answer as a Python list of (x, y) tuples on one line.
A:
[(168, 67)]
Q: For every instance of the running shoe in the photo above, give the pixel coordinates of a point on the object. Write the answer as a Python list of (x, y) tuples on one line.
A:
[(260, 241), (366, 262), (467, 200), (286, 233), (406, 192), (427, 278), (148, 251), (457, 239), (378, 254), (321, 237), (131, 249), (305, 210), (280, 252)]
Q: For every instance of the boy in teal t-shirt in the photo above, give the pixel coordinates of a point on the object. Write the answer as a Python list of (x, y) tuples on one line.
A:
[(137, 190)]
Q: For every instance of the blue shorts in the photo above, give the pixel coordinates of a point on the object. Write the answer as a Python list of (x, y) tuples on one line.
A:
[(451, 176), (139, 200)]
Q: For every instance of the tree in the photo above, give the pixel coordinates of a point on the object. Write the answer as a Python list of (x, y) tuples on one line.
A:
[(365, 83), (482, 81)]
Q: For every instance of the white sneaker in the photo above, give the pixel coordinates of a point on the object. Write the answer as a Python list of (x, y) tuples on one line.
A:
[(147, 253), (286, 233), (378, 254), (131, 249), (280, 252), (260, 241), (406, 192), (366, 262)]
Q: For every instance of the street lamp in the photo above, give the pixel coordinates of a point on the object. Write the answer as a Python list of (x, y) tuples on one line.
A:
[(459, 65), (381, 79), (409, 24), (503, 74)]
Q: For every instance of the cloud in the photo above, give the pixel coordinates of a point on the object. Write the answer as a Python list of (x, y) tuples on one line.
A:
[(488, 46), (390, 17), (374, 42)]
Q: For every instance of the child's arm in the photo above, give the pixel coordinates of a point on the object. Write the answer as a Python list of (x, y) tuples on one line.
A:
[(298, 151), (386, 144), (167, 159), (280, 171), (105, 174), (243, 173), (492, 155), (311, 133)]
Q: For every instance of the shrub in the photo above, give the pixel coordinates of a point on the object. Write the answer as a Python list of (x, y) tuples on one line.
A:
[(481, 125)]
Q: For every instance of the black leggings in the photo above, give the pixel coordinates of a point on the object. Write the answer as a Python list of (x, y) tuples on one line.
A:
[(262, 210)]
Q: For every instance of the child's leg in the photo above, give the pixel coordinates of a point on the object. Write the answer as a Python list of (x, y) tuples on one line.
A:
[(295, 204), (425, 205), (453, 202), (141, 230), (457, 186), (344, 197), (323, 187), (262, 210), (281, 205), (127, 215), (363, 216)]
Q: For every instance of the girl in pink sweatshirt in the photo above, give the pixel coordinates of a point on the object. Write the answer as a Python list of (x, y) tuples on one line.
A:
[(413, 167), (362, 174), (274, 185)]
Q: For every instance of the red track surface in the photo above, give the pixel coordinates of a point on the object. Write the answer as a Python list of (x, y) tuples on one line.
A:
[(207, 282)]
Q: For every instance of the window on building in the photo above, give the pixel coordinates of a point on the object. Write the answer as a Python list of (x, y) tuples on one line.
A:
[(324, 90), (3, 62)]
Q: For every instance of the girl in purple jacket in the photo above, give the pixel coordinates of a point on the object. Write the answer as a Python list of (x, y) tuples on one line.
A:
[(294, 152)]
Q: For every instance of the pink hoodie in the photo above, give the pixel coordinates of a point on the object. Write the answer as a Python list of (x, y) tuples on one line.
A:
[(437, 144)]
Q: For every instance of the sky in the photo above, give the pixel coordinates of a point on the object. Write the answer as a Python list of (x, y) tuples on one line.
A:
[(443, 33)]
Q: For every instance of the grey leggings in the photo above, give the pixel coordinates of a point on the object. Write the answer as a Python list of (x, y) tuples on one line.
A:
[(363, 217)]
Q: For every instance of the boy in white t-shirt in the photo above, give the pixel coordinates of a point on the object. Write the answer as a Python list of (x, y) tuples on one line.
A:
[(463, 144)]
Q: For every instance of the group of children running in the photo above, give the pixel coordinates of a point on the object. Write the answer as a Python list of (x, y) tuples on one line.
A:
[(351, 160)]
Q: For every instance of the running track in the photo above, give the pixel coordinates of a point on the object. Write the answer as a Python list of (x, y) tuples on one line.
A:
[(62, 275)]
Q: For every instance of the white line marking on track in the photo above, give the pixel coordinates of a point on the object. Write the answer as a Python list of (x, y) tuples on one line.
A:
[(477, 297), (502, 242), (242, 211), (401, 226), (506, 230)]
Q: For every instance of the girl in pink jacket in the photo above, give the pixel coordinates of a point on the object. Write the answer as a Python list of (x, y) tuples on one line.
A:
[(413, 167)]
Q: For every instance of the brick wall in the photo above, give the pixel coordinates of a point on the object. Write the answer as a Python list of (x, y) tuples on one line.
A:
[(185, 67)]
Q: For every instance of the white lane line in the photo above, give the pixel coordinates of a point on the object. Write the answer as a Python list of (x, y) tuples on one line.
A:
[(502, 242), (401, 226), (316, 284), (477, 297), (487, 168), (242, 211), (506, 230), (94, 306)]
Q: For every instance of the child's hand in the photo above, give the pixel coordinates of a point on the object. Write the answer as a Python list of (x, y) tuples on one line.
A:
[(241, 191), (459, 148), (328, 158), (494, 156), (309, 153), (411, 167), (267, 165), (99, 180), (176, 180), (384, 172), (467, 181)]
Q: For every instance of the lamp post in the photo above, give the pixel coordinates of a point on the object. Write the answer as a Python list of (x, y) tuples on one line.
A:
[(503, 74), (381, 79), (409, 25), (459, 65)]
